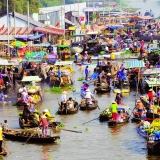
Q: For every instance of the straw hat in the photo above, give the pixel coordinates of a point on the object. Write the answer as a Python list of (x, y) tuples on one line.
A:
[(118, 91), (113, 101), (138, 101), (88, 90), (109, 74), (45, 110), (64, 92)]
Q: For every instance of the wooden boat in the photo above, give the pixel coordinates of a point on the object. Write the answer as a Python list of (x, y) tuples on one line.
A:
[(142, 132), (153, 146), (83, 106), (68, 111), (102, 88), (115, 123), (3, 153), (123, 110), (105, 117), (149, 113), (24, 136), (136, 117), (33, 124), (76, 47)]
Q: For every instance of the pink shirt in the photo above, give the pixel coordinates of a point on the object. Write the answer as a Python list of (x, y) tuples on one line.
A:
[(44, 121)]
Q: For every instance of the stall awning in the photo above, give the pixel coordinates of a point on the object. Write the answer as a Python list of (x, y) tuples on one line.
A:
[(69, 22), (42, 45), (8, 63), (134, 64), (64, 63), (31, 78), (153, 83), (151, 71)]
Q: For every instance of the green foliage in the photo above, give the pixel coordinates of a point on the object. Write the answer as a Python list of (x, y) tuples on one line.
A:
[(20, 6), (80, 78), (54, 90), (61, 126)]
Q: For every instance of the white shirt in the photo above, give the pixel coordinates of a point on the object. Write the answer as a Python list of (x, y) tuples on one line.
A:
[(88, 95), (63, 98)]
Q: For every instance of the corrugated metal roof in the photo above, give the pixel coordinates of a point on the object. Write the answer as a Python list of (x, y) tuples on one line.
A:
[(32, 21), (134, 64)]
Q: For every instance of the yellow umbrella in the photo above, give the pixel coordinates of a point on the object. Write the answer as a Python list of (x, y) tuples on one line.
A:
[(18, 44)]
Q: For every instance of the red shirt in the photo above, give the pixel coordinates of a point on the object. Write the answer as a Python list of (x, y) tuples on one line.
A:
[(150, 95)]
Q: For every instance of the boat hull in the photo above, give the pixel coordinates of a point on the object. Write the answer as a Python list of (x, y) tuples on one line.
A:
[(23, 137)]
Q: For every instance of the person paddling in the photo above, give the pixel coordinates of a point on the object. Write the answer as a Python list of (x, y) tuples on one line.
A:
[(113, 108), (1, 139)]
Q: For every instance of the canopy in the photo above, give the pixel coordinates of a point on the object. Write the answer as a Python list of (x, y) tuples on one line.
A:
[(42, 45), (114, 27), (64, 45), (79, 35), (18, 44), (63, 63), (151, 71), (31, 78), (94, 33), (153, 83), (136, 18), (134, 64), (8, 63), (28, 38)]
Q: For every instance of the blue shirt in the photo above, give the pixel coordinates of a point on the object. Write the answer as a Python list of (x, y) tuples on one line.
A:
[(86, 71), (59, 73)]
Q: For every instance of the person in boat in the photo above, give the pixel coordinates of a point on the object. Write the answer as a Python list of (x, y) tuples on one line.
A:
[(139, 106), (150, 94), (119, 97), (1, 138), (76, 57), (27, 114), (25, 89), (113, 108), (109, 78), (88, 97), (44, 123), (48, 115), (2, 96), (63, 100), (70, 103), (5, 126), (24, 97), (86, 73)]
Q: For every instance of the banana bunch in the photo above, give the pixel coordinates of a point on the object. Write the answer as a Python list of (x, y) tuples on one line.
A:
[(35, 97)]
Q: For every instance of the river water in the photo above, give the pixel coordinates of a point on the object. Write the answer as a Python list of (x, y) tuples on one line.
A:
[(97, 142), (146, 5)]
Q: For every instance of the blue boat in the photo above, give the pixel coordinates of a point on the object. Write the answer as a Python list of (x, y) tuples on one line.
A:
[(142, 132)]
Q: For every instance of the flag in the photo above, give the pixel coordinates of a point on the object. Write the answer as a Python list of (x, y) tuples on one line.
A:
[(57, 24), (2, 28)]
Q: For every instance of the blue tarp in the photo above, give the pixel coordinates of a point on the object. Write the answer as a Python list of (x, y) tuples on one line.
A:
[(42, 45), (25, 38), (114, 27), (134, 64), (79, 35)]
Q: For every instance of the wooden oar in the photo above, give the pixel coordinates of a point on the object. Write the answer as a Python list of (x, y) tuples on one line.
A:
[(6, 146), (90, 120), (31, 136), (72, 131)]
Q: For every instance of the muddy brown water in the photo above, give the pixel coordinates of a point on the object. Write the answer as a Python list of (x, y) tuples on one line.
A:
[(97, 142)]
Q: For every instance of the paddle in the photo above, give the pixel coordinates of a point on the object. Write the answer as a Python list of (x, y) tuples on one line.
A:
[(90, 120), (59, 105), (72, 131), (31, 135), (6, 146)]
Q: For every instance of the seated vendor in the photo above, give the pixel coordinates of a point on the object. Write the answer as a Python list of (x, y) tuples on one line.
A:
[(70, 103), (140, 106)]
